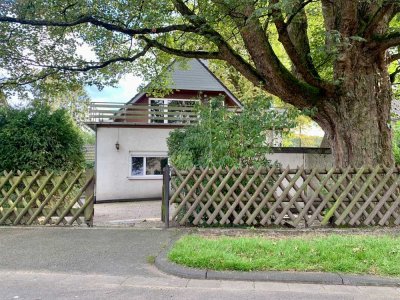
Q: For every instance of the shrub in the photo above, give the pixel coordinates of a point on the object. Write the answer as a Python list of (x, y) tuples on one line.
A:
[(37, 138), (225, 138)]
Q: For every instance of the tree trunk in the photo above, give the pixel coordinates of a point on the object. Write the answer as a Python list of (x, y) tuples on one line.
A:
[(357, 122)]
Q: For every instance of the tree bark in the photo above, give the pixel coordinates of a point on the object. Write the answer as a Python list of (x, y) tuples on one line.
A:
[(357, 122)]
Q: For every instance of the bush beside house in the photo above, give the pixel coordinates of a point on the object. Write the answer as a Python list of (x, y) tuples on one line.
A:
[(38, 138), (226, 138)]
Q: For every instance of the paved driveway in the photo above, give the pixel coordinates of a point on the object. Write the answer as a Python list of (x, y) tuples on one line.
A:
[(115, 263), (139, 214)]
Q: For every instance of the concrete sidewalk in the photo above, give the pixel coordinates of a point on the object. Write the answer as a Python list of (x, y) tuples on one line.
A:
[(116, 263), (43, 285)]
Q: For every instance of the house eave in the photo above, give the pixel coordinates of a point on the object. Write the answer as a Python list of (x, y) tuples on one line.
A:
[(94, 125)]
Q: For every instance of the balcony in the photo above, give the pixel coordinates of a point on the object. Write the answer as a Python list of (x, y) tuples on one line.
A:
[(141, 114), (178, 113)]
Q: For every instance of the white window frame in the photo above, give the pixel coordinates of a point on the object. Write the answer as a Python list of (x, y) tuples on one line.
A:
[(165, 103), (145, 156)]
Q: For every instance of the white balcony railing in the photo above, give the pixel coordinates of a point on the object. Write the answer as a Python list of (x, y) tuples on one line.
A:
[(173, 114), (101, 112)]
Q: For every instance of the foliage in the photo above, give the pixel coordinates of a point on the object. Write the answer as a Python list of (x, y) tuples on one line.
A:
[(302, 140), (99, 50), (70, 96), (396, 143), (226, 138), (37, 138), (364, 254), (3, 99), (89, 138), (308, 53), (300, 136)]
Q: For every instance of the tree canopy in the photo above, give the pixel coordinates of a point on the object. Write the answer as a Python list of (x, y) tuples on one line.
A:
[(329, 55)]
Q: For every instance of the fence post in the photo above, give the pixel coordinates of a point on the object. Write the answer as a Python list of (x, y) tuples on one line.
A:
[(165, 196), (89, 196)]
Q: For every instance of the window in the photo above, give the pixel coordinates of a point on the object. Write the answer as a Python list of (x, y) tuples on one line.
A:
[(147, 165), (178, 114)]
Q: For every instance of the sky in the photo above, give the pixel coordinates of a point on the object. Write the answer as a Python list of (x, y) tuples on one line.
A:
[(123, 92)]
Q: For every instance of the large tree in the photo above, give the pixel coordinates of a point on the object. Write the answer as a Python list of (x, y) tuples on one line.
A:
[(330, 55)]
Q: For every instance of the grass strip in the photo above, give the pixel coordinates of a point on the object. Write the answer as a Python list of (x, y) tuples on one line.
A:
[(356, 254)]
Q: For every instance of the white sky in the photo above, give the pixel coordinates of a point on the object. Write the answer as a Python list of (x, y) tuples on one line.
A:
[(123, 92), (314, 130)]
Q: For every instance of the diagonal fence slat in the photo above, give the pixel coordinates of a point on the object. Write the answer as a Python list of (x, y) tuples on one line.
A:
[(285, 197), (281, 199), (297, 194), (310, 201), (253, 198), (212, 199), (46, 198), (342, 196)]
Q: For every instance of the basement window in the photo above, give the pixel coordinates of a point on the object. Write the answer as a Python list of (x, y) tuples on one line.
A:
[(143, 166)]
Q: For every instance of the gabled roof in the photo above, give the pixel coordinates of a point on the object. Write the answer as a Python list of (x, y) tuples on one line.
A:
[(195, 76)]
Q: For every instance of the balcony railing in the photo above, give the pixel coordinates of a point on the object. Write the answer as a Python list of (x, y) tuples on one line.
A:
[(117, 113), (101, 112)]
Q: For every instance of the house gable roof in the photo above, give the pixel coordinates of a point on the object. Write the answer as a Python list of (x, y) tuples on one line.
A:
[(195, 76)]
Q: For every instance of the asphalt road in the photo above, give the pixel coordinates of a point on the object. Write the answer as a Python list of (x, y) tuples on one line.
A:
[(103, 263)]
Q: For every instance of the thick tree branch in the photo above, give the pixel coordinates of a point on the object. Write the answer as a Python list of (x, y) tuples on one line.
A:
[(27, 80), (279, 80), (382, 43), (299, 53), (330, 15), (383, 11), (85, 68), (298, 10), (99, 23), (226, 51), (393, 58), (182, 53), (348, 25)]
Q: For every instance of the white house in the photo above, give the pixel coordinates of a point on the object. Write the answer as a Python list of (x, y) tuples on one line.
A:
[(131, 148)]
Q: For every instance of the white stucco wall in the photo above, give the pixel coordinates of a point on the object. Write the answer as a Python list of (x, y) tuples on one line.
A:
[(113, 179), (309, 160), (113, 166), (287, 159)]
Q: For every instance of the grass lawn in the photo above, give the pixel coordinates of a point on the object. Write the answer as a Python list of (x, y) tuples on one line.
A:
[(358, 254)]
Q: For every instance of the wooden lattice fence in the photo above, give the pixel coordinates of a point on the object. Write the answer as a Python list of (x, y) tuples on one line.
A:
[(291, 197), (46, 198)]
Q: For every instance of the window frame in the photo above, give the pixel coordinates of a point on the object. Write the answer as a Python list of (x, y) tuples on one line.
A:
[(145, 156)]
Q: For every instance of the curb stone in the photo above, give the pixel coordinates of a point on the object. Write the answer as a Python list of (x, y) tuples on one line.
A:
[(163, 264)]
